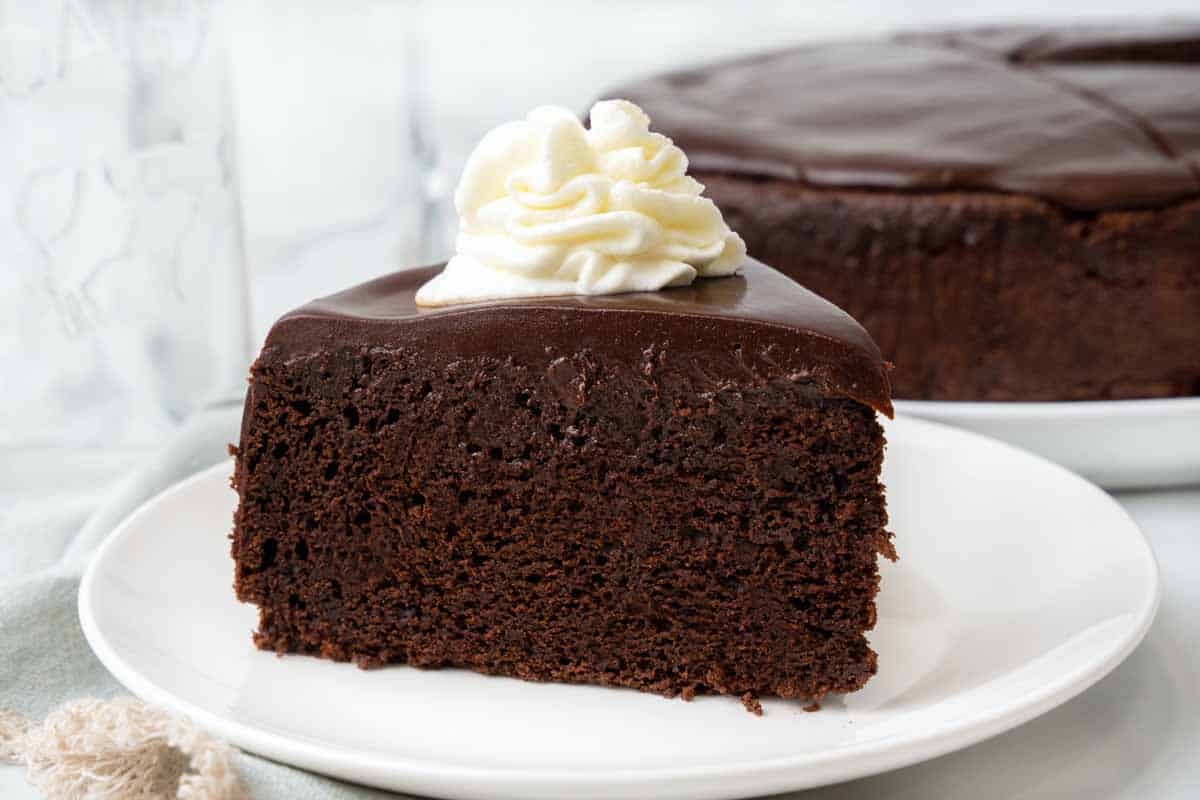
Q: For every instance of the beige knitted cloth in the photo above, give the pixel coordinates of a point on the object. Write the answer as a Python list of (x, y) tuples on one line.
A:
[(120, 749)]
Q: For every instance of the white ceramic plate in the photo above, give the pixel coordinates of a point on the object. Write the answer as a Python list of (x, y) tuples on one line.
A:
[(1019, 585), (1119, 444)]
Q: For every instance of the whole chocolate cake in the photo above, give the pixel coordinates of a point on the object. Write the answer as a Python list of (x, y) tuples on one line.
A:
[(674, 488), (1013, 213)]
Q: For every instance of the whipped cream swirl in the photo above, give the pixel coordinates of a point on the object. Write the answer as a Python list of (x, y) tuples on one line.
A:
[(547, 207)]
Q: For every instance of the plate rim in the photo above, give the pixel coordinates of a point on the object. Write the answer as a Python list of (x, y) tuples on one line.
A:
[(1021, 410), (835, 765)]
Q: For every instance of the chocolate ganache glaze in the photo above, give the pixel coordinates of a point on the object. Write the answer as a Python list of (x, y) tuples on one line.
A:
[(726, 327), (1092, 119)]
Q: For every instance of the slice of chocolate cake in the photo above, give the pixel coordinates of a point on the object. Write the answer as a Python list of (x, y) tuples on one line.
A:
[(673, 490)]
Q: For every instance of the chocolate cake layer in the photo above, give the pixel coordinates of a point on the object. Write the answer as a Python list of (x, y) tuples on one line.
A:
[(674, 491), (1013, 213)]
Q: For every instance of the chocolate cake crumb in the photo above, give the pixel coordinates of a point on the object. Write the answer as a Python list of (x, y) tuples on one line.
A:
[(752, 704)]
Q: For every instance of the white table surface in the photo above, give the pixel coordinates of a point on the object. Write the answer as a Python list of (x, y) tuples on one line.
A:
[(1136, 734)]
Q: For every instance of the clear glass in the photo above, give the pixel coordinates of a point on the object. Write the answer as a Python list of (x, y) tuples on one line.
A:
[(122, 286)]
